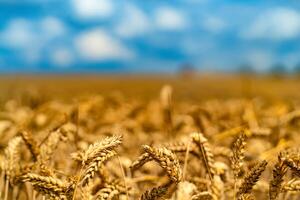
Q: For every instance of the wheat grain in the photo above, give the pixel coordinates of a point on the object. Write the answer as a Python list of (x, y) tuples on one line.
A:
[(279, 171), (96, 164), (237, 158), (251, 178), (95, 149), (31, 144), (167, 160), (207, 155), (155, 193)]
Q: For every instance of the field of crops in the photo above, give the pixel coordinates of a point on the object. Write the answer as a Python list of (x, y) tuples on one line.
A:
[(149, 138)]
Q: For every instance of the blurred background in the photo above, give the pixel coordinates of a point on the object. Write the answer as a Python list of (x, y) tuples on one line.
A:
[(152, 36)]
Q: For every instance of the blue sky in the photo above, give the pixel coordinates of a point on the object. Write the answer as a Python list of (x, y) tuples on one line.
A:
[(116, 36)]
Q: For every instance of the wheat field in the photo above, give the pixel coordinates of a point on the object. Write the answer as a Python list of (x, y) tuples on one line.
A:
[(216, 139)]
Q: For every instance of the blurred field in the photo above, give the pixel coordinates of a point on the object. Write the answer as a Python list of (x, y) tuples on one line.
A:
[(208, 137), (146, 86)]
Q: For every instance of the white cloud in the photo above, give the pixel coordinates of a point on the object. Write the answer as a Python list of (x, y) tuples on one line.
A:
[(18, 34), (97, 45), (62, 57), (91, 9), (275, 24), (214, 24), (167, 18), (260, 60), (30, 37), (52, 26), (26, 34), (133, 23)]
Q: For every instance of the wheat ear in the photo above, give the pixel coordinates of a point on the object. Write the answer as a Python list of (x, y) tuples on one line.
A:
[(92, 155), (167, 160), (12, 158), (202, 196), (140, 161), (155, 193), (279, 171), (291, 158), (207, 155), (48, 185), (94, 150), (48, 147), (237, 158), (246, 196), (95, 165), (292, 185), (251, 178), (31, 144), (110, 191)]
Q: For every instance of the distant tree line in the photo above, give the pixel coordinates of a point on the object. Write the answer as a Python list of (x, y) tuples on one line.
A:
[(187, 69), (276, 69)]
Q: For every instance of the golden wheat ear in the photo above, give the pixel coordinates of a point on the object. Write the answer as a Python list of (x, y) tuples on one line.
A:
[(47, 185), (95, 149), (30, 143), (246, 197), (251, 178), (95, 165), (237, 158), (140, 161), (166, 160), (111, 190), (48, 146), (94, 157), (155, 193), (12, 158), (203, 196), (279, 171), (292, 186), (206, 152), (291, 158)]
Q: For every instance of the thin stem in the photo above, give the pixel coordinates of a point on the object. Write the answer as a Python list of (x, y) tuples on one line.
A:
[(33, 194), (186, 160), (28, 189), (124, 178), (234, 191), (206, 161), (76, 184), (1, 183), (6, 189)]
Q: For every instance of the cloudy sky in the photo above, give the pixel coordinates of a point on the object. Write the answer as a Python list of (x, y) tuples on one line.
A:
[(116, 36)]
